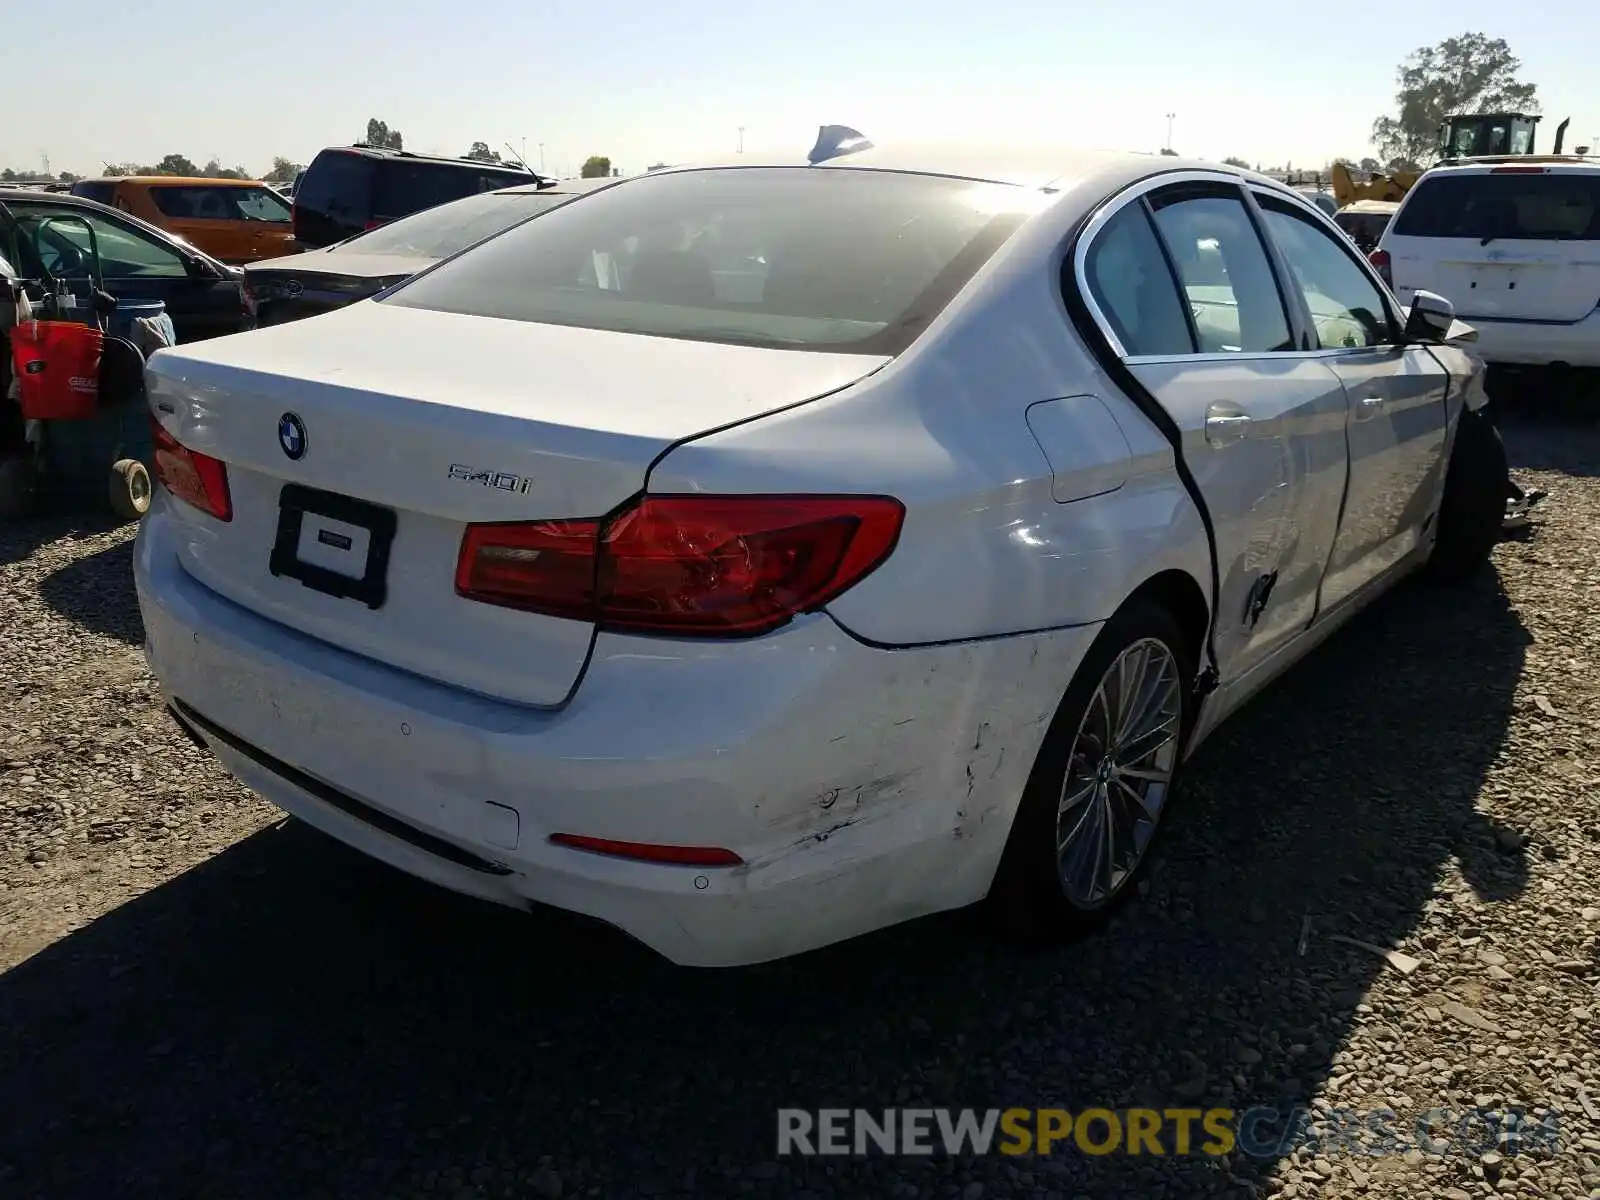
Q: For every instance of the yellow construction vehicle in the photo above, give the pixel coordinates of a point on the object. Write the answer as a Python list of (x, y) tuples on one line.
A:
[(1479, 135)]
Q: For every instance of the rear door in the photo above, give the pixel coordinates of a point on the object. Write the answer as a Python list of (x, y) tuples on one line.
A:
[(1182, 281), (1506, 243), (1396, 396), (333, 199)]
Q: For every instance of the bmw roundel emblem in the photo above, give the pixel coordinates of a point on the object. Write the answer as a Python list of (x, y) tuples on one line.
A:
[(292, 435)]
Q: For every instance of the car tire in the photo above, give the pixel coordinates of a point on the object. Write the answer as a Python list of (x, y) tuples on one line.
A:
[(1047, 888), (1472, 513), (128, 489)]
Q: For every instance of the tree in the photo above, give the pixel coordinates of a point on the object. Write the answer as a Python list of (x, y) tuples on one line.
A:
[(1370, 165), (1169, 152), (380, 135), (174, 164), (283, 171), (596, 166), (480, 152), (1236, 162), (1472, 73)]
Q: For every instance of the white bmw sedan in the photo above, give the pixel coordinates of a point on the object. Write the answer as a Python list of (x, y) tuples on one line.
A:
[(751, 556)]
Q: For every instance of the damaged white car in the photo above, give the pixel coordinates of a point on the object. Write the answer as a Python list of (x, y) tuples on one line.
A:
[(750, 556)]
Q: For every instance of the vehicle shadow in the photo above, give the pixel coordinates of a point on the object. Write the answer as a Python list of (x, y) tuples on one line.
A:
[(20, 537), (1551, 436), (96, 591), (290, 1019)]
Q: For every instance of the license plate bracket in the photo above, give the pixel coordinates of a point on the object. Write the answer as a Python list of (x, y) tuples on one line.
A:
[(297, 503)]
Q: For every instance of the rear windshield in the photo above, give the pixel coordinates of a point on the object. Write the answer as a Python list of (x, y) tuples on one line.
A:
[(440, 232), (1543, 207), (196, 202), (801, 257)]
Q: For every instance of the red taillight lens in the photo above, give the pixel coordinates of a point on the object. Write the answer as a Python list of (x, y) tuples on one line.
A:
[(192, 477), (731, 566), (678, 856), (248, 295), (1380, 260), (374, 222), (1518, 171)]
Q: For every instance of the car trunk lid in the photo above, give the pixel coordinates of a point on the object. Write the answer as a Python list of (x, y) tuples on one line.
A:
[(440, 420)]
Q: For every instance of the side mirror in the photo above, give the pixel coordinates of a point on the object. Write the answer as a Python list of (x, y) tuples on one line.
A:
[(1429, 318)]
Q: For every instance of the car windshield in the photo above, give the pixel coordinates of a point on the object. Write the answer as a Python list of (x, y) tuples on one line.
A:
[(440, 232), (1520, 205), (801, 257)]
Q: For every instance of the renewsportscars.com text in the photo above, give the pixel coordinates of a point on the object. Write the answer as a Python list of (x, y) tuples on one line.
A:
[(1258, 1132)]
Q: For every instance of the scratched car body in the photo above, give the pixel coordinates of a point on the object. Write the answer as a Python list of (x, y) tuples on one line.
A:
[(754, 555)]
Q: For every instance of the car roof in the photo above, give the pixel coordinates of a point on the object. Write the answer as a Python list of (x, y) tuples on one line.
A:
[(410, 156), (1553, 164), (1037, 166), (175, 180)]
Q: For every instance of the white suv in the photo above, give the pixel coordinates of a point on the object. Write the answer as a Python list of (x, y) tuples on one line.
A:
[(1515, 246)]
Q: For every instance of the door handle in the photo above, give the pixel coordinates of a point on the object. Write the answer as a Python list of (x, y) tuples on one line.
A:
[(1369, 406), (1225, 424)]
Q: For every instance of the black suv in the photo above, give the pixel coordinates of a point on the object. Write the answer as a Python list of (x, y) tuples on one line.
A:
[(349, 189)]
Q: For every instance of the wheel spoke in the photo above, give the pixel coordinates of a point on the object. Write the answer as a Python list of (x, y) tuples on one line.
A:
[(1118, 772)]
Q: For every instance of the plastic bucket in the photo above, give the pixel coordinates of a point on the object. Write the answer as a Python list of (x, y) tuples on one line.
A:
[(121, 321), (57, 368)]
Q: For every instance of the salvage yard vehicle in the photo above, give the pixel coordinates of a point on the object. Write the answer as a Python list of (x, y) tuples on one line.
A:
[(302, 285), (234, 220), (757, 554), (1365, 221), (348, 189), (1515, 245), (203, 296)]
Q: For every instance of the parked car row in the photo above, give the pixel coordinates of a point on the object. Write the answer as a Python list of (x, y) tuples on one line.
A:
[(754, 554)]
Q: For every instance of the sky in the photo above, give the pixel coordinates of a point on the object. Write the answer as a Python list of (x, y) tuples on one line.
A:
[(1265, 80)]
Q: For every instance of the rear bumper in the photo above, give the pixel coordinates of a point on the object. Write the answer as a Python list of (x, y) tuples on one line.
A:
[(860, 786), (1535, 344)]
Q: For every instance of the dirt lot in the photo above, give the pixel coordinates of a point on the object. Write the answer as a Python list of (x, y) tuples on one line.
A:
[(197, 1000)]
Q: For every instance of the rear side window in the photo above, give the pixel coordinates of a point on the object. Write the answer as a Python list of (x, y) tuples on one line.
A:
[(1129, 280), (405, 186), (1530, 207), (831, 259), (93, 190), (1226, 276), (337, 184)]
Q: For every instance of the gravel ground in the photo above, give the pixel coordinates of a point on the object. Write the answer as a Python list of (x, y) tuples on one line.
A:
[(201, 1000)]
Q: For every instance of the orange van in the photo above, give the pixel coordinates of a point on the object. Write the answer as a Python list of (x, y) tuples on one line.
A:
[(236, 220)]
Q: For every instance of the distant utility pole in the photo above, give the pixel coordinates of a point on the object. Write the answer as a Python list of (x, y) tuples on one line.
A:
[(1171, 117), (44, 155), (741, 139)]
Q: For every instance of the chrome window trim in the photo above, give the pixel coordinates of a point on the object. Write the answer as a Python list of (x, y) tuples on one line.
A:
[(1134, 193)]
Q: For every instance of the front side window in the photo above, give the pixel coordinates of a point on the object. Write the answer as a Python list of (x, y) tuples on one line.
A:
[(1347, 308), (1226, 276), (799, 257), (64, 245), (219, 203)]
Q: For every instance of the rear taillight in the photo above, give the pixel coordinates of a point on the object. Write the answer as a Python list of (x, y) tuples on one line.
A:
[(192, 477), (374, 222), (707, 566), (1518, 171), (1380, 260)]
